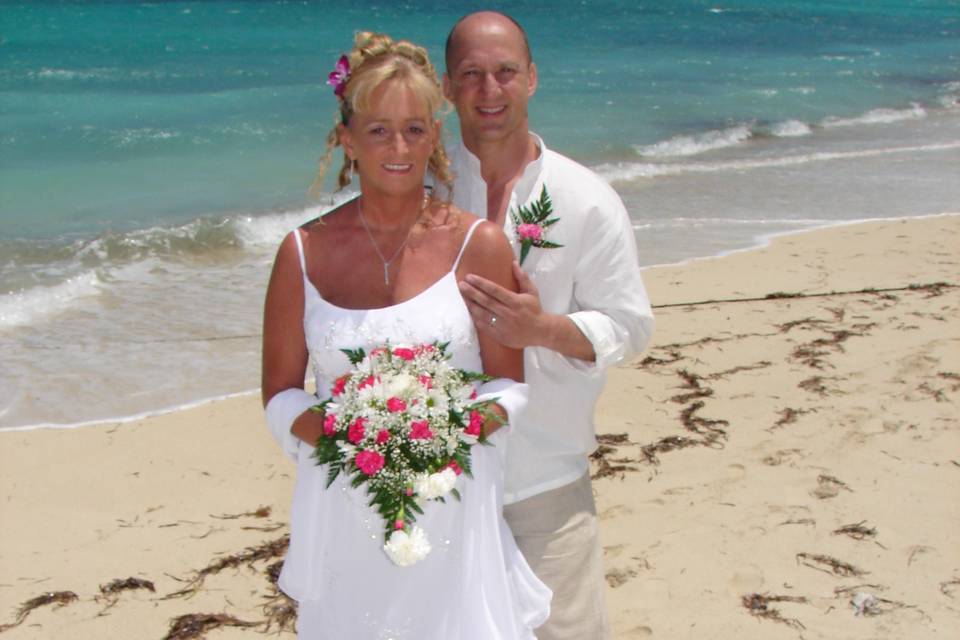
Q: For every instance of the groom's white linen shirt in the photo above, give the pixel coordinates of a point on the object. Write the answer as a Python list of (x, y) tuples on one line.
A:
[(594, 279)]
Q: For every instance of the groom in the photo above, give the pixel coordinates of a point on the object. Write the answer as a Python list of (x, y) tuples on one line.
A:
[(581, 307)]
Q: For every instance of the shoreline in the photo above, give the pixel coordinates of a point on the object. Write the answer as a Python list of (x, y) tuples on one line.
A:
[(760, 242), (760, 464), (764, 241)]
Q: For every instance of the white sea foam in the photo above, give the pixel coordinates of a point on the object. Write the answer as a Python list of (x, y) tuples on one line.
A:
[(625, 171), (23, 307), (790, 129), (127, 137), (878, 116), (950, 98), (269, 230), (47, 73), (683, 222), (679, 146), (129, 418)]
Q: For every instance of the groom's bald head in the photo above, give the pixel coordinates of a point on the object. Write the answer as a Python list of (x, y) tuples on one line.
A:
[(477, 24)]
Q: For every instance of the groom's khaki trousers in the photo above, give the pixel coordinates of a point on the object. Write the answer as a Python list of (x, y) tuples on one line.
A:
[(558, 535)]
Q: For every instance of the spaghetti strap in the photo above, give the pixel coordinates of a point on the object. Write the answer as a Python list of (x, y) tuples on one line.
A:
[(303, 261), (463, 247)]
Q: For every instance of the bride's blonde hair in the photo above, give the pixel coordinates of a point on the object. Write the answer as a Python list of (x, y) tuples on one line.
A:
[(374, 59)]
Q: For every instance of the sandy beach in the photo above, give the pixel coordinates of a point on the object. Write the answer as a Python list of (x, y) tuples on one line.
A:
[(789, 444)]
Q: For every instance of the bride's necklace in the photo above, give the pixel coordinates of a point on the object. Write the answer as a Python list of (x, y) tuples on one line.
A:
[(366, 227)]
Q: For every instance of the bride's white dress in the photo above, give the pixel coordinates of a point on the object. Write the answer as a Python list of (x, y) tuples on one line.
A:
[(474, 584)]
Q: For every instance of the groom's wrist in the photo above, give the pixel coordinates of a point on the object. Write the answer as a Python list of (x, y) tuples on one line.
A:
[(561, 334)]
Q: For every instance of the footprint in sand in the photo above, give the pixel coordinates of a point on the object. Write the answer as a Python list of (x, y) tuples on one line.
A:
[(828, 487), (620, 576), (783, 455), (614, 511)]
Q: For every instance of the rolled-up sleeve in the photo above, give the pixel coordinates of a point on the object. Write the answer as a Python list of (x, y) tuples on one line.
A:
[(612, 308)]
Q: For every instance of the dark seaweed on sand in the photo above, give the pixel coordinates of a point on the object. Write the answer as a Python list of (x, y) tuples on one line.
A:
[(128, 584), (260, 512), (265, 551), (856, 531), (829, 565), (759, 606), (59, 598), (194, 625)]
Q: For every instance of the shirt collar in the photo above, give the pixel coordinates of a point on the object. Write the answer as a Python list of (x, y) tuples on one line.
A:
[(531, 172), (527, 181)]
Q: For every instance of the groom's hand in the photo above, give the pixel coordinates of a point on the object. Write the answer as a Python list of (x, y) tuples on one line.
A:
[(514, 319)]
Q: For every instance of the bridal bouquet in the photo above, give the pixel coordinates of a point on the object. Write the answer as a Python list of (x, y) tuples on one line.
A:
[(401, 423)]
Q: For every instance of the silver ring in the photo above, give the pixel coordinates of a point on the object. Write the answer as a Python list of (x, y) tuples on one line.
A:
[(493, 320)]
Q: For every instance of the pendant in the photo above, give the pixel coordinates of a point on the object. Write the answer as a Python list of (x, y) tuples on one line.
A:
[(386, 273)]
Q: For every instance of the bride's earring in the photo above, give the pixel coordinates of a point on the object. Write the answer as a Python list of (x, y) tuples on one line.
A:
[(350, 177)]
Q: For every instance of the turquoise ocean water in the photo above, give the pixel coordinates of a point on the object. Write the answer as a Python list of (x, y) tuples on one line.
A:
[(153, 154)]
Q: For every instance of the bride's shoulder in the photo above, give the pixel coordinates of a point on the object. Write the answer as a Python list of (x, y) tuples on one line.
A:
[(334, 217), (459, 223)]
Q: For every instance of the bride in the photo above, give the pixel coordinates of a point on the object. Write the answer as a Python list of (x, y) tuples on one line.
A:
[(385, 267)]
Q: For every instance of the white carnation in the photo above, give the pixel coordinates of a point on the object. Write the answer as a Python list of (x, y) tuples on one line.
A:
[(400, 385), (405, 549), (434, 485), (440, 403)]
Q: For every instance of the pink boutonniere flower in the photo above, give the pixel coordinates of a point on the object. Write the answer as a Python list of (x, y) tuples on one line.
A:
[(531, 223)]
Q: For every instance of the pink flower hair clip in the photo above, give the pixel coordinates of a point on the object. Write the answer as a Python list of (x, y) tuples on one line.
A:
[(339, 77)]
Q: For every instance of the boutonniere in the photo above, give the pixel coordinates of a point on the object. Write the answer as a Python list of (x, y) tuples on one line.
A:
[(531, 223)]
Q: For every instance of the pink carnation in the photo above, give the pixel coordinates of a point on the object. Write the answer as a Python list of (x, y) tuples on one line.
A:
[(404, 353), (426, 381), (367, 382), (456, 468), (530, 231), (370, 462), (382, 436), (339, 385), (329, 425), (476, 424), (395, 405), (420, 430), (399, 524), (357, 430)]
